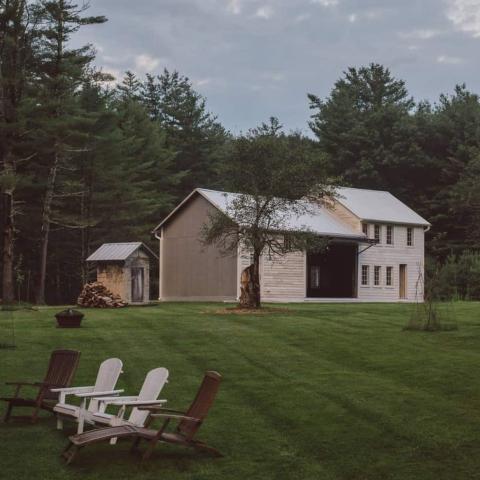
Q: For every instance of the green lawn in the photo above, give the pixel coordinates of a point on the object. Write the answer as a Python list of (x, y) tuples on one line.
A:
[(316, 392)]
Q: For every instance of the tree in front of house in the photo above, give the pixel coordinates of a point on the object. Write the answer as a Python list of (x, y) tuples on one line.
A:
[(276, 174)]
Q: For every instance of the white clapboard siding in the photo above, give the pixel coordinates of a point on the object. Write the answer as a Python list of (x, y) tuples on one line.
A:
[(284, 276), (393, 255), (281, 277)]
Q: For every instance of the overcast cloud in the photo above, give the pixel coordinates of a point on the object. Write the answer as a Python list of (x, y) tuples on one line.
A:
[(257, 58)]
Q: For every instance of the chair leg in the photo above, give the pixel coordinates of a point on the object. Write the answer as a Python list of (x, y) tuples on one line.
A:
[(135, 444), (149, 450), (6, 417), (203, 447), (34, 417), (70, 452)]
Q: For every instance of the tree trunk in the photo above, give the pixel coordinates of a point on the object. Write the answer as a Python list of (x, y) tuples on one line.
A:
[(45, 230), (8, 235), (250, 285)]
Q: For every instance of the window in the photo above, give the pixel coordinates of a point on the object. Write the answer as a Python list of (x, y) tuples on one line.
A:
[(376, 275), (365, 228), (389, 276), (410, 236), (389, 235), (377, 233), (365, 274), (287, 242)]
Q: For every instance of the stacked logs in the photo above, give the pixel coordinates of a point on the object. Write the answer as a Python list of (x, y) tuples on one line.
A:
[(96, 295)]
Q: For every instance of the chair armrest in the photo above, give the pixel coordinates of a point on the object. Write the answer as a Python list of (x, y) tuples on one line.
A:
[(97, 394), (70, 390), (154, 408), (138, 403), (33, 384), (111, 399), (175, 417)]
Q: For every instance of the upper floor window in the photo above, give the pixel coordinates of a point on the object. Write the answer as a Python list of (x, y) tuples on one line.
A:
[(389, 234), (389, 276), (410, 236), (377, 233), (365, 274), (376, 275), (365, 228)]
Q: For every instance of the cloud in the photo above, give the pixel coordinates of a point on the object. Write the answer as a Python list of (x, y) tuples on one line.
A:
[(465, 15), (326, 3), (446, 59), (234, 6), (264, 12), (420, 34), (146, 63), (352, 18), (302, 17)]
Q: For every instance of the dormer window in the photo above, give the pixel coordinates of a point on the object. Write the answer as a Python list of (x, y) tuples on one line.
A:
[(377, 233), (365, 229)]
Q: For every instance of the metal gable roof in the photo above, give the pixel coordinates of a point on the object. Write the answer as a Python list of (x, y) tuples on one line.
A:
[(319, 220), (117, 251), (377, 206)]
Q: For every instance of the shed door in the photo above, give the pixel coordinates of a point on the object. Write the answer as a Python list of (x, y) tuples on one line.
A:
[(137, 284)]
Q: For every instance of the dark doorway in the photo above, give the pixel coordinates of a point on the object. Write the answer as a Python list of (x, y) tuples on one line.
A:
[(137, 284), (332, 273)]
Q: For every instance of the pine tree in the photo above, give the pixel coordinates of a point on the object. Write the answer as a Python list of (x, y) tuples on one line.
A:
[(17, 34), (60, 122)]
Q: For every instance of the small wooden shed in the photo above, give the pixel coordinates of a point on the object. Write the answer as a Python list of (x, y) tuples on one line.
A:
[(124, 268)]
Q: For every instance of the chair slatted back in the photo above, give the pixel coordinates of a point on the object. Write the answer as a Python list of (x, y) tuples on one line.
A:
[(201, 404), (61, 370), (107, 377), (151, 388)]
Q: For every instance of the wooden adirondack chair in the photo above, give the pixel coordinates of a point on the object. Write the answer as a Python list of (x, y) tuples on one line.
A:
[(107, 378), (60, 372), (148, 396), (189, 424)]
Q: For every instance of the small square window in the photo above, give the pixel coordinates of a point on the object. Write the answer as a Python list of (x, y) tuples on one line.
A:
[(410, 236), (376, 275), (365, 274), (377, 233), (389, 276), (389, 235)]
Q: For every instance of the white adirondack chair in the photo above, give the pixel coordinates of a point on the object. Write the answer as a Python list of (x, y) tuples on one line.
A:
[(148, 396), (107, 377)]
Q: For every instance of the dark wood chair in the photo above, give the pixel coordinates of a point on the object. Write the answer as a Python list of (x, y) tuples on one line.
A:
[(189, 423), (61, 369)]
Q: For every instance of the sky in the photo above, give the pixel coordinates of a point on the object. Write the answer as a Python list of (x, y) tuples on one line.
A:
[(253, 59)]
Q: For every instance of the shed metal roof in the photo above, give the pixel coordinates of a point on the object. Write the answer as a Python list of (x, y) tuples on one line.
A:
[(117, 251), (378, 206)]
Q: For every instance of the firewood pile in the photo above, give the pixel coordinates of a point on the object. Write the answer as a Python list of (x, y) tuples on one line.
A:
[(96, 295)]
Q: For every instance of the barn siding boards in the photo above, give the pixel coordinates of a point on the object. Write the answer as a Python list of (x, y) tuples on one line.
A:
[(346, 216), (190, 270)]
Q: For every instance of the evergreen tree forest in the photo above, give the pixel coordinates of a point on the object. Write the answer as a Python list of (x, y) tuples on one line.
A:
[(87, 159)]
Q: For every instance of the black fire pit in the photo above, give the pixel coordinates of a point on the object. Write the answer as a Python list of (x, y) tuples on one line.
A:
[(69, 318)]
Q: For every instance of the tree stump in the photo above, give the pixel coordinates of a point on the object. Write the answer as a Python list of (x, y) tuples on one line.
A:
[(249, 288)]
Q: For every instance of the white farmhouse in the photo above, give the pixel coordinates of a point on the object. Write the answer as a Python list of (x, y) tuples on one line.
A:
[(375, 253)]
